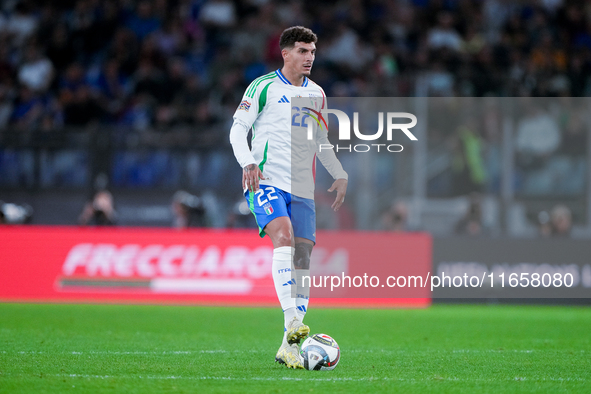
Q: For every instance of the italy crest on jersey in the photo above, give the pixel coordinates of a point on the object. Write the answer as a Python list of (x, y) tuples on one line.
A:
[(268, 208)]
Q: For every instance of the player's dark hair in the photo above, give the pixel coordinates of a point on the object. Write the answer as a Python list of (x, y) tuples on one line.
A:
[(295, 34)]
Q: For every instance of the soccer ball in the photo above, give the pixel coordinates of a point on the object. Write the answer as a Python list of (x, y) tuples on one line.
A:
[(320, 353)]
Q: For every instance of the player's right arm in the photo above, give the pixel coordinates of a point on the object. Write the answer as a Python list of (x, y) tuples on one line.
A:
[(244, 118)]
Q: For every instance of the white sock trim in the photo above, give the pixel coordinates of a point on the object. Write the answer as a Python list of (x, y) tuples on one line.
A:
[(282, 276), (302, 293)]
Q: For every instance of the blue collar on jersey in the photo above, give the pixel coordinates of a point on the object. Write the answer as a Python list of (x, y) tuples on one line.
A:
[(286, 81)]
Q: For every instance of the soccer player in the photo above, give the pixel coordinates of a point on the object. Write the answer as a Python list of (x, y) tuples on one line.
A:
[(285, 213)]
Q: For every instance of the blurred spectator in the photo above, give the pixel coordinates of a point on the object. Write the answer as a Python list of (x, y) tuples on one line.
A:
[(546, 56), (60, 50), (112, 87), (175, 80), (346, 50), (81, 108), (124, 48), (108, 21), (561, 219), (578, 74), (100, 211), (28, 109), (471, 223), (138, 112), (251, 40), (145, 52), (538, 136), (181, 66), (203, 125), (22, 23), (72, 79), (144, 22), (574, 138), (149, 80), (444, 35), (7, 67), (440, 82), (81, 21), (36, 72), (395, 218), (556, 224), (218, 13), (474, 40), (188, 210), (468, 167), (191, 93), (170, 39), (6, 105)]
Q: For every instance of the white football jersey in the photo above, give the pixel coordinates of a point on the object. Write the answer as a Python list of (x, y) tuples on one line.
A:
[(266, 108)]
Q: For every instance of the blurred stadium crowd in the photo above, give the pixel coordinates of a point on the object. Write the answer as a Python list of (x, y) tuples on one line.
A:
[(171, 72), (157, 63)]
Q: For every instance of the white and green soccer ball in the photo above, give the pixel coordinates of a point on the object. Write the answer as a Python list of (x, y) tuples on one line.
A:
[(320, 353)]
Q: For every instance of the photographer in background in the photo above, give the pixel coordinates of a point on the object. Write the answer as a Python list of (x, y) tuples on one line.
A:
[(100, 211), (188, 210), (395, 218), (557, 223), (11, 213), (471, 224)]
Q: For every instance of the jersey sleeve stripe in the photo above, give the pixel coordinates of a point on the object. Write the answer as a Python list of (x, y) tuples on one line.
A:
[(253, 83), (261, 77), (253, 86)]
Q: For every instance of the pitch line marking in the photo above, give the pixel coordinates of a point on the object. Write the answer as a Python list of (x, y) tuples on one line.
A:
[(223, 351), (286, 378)]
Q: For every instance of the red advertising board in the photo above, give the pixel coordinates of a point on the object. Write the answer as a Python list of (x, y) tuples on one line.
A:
[(72, 264)]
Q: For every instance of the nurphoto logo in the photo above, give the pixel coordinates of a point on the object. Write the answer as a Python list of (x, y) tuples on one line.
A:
[(345, 130)]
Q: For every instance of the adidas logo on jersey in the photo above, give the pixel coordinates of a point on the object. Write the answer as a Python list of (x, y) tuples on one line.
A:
[(283, 100)]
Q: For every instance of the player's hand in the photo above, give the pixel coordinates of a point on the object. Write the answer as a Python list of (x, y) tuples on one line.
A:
[(250, 177), (340, 185)]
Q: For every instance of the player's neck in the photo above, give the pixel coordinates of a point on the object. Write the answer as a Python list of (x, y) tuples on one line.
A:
[(294, 78)]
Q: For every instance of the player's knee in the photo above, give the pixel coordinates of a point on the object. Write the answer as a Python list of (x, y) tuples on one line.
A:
[(301, 258), (283, 238)]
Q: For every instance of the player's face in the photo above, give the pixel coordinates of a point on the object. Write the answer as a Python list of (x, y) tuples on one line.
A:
[(301, 57)]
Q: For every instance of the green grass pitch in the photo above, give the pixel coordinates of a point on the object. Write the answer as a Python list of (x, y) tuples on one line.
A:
[(144, 349)]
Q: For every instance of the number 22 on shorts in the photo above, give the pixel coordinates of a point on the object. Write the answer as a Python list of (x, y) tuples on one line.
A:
[(270, 195)]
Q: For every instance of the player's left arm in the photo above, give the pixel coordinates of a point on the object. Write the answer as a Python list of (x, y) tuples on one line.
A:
[(340, 185), (333, 166), (328, 158)]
